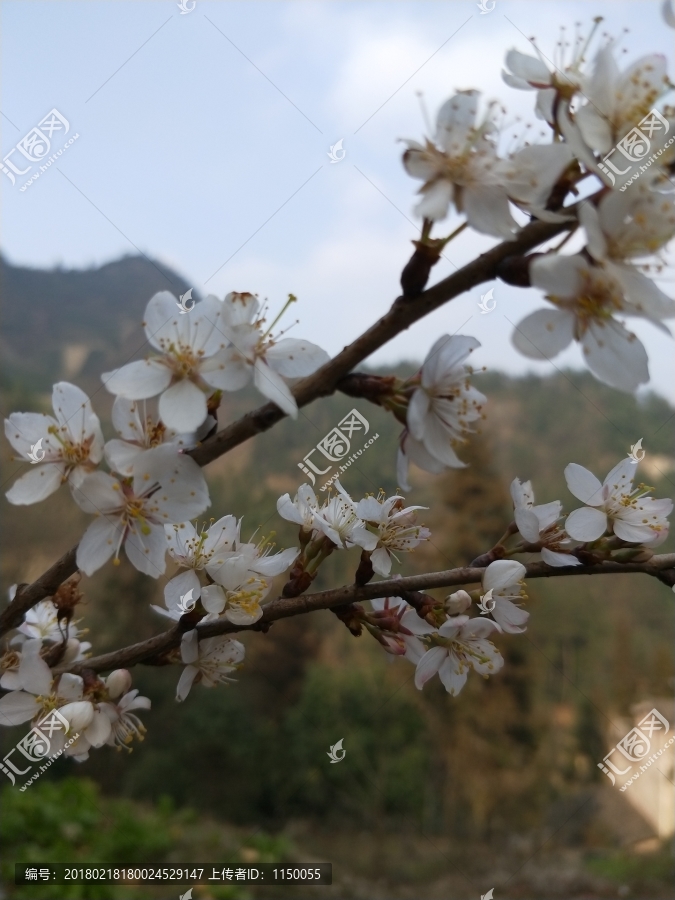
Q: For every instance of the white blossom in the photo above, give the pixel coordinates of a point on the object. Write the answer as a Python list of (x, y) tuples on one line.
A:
[(41, 621), (442, 408), (617, 101), (301, 510), (531, 73), (206, 549), (124, 723), (254, 354), (393, 527), (504, 577), (585, 297), (166, 488), (191, 349), (209, 661), (460, 644), (616, 506), (139, 431), (462, 168), (72, 444), (540, 525), (241, 581), (338, 520), (37, 695)]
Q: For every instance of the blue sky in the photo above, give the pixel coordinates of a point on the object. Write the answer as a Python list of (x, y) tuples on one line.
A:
[(204, 138)]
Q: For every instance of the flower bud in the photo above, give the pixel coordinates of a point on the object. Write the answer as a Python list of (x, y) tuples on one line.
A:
[(457, 602), (118, 683)]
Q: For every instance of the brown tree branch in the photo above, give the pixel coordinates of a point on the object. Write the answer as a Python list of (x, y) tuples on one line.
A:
[(403, 313), (283, 608)]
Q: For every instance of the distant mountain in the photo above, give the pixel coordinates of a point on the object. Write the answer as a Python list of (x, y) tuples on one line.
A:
[(65, 322)]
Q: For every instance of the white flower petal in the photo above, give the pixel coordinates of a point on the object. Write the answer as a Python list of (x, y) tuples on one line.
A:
[(138, 380), (487, 210), (511, 617), (36, 485), (97, 545), (18, 707), (528, 524), (544, 333), (274, 388), (185, 682), (552, 558), (428, 666), (213, 598), (615, 356), (182, 407), (294, 358), (34, 672), (586, 524), (529, 68), (146, 549), (583, 484), (503, 573)]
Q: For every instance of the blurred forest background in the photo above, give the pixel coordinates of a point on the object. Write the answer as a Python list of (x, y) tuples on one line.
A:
[(437, 796)]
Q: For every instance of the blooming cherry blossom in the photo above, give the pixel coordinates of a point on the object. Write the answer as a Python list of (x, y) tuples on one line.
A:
[(301, 510), (165, 488), (124, 723), (72, 444), (539, 525), (209, 661), (254, 354), (586, 297), (392, 525), (616, 506), (241, 581), (338, 520), (441, 408), (191, 349), (462, 168), (460, 644), (504, 577), (617, 101), (139, 431)]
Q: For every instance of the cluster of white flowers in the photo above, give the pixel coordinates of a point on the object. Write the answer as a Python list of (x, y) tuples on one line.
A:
[(381, 526), (590, 111), (152, 494), (614, 509), (98, 711)]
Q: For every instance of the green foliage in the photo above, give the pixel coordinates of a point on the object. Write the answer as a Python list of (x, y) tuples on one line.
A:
[(70, 821)]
